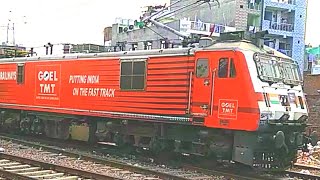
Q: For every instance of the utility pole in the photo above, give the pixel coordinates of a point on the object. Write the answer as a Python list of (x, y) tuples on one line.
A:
[(12, 23), (8, 33)]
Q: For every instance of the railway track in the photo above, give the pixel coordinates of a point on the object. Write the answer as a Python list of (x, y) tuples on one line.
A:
[(121, 169), (237, 176), (304, 171), (183, 172), (15, 167)]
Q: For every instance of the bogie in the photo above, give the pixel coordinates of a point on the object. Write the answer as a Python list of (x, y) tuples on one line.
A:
[(156, 137)]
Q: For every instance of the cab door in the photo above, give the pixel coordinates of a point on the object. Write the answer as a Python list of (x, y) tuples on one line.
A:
[(202, 89)]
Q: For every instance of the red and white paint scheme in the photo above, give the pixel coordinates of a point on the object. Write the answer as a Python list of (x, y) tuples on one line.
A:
[(244, 95)]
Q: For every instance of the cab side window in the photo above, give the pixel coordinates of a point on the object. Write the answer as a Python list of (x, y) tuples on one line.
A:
[(232, 71), (202, 70), (223, 68), (227, 68)]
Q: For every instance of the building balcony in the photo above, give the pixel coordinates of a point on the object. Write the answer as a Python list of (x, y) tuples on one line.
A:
[(254, 8), (199, 27), (281, 4), (278, 28), (292, 2), (252, 28), (286, 52)]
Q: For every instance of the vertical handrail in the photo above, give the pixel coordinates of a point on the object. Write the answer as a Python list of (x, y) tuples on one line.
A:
[(189, 95), (212, 90)]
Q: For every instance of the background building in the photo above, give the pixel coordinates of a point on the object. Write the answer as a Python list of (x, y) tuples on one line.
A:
[(8, 51), (153, 37), (133, 34), (285, 20), (241, 14), (311, 83), (312, 60), (66, 48)]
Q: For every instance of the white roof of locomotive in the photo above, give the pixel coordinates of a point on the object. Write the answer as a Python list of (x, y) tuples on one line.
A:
[(245, 45), (229, 45)]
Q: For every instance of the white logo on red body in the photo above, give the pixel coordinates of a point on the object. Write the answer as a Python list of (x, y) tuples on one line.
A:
[(47, 77)]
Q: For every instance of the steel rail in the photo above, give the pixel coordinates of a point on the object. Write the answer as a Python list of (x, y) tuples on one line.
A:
[(50, 166), (137, 169), (113, 163), (226, 173), (302, 175)]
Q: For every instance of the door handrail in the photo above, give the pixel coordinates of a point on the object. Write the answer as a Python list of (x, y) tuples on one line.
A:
[(212, 90), (189, 93)]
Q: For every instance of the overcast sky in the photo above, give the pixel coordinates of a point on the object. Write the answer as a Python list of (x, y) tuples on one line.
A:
[(83, 21)]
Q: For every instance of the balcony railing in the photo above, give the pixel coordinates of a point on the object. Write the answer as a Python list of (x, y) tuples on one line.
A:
[(253, 28), (286, 52), (280, 26), (254, 6), (292, 2), (207, 27)]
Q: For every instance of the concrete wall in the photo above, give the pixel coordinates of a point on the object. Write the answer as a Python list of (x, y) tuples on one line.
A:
[(311, 85), (241, 14), (232, 13), (224, 15)]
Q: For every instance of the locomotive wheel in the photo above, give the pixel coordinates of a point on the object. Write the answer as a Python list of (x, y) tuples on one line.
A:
[(119, 139), (37, 126), (25, 125), (156, 145)]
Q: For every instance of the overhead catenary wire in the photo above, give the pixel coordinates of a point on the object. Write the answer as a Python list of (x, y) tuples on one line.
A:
[(191, 9), (159, 24), (183, 7), (162, 10)]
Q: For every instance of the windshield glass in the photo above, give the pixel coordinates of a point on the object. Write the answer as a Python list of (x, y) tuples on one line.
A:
[(268, 69), (290, 72), (273, 69)]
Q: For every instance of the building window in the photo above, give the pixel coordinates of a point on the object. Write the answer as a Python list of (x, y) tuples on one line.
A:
[(164, 44), (20, 73), (134, 47), (147, 45), (202, 70), (227, 68), (133, 75)]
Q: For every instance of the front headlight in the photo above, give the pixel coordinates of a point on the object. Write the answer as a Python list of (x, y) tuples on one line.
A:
[(265, 115)]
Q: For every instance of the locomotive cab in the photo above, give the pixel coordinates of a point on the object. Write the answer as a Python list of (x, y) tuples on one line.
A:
[(257, 93)]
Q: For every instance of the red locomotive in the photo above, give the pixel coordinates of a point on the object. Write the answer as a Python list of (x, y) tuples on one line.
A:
[(230, 100)]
